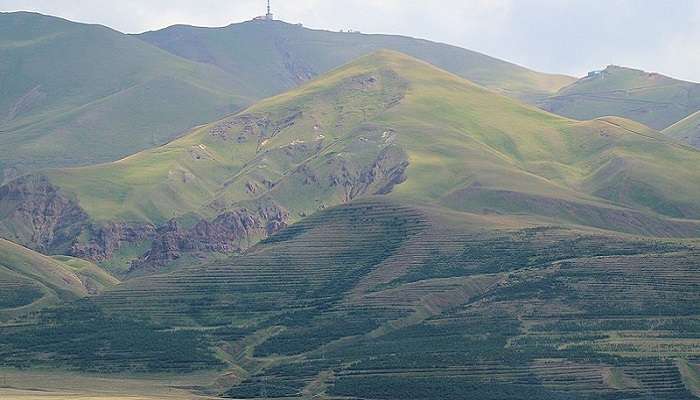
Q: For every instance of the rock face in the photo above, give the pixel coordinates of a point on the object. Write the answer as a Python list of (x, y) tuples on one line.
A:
[(106, 239), (230, 232), (36, 214), (380, 177)]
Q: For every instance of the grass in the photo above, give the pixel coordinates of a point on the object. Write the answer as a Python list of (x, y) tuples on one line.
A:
[(687, 129), (66, 385), (537, 311), (357, 298), (93, 277), (286, 55), (30, 281), (76, 112), (133, 95), (691, 376), (652, 99), (463, 145)]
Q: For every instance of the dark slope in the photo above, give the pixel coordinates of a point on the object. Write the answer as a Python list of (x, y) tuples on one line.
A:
[(649, 98), (276, 56), (77, 94), (382, 300)]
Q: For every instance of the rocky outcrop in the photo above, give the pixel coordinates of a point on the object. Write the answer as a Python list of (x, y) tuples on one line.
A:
[(387, 171), (26, 103), (108, 238), (259, 127), (230, 232), (36, 214)]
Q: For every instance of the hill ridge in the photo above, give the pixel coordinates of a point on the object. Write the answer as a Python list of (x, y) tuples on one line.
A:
[(650, 98), (387, 124)]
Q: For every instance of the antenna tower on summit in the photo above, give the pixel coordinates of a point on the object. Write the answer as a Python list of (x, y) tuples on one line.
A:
[(269, 15)]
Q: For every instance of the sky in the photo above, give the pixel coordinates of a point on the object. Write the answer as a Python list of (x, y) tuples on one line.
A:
[(559, 36)]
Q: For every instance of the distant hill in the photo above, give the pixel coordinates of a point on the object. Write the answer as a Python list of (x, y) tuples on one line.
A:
[(74, 94), (652, 99), (77, 94), (687, 130), (275, 56), (386, 124)]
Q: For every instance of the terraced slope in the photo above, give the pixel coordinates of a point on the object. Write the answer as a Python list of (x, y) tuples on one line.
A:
[(382, 300), (385, 124), (29, 280), (687, 130), (649, 98), (75, 94), (276, 56)]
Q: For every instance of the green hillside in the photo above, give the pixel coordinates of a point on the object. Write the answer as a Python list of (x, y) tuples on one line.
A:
[(687, 130), (388, 123), (29, 280), (387, 231), (378, 299), (650, 98), (276, 56), (77, 94)]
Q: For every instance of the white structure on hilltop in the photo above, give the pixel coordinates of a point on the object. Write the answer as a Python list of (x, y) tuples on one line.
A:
[(266, 17)]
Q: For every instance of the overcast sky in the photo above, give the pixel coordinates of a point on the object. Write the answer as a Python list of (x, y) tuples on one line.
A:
[(565, 36)]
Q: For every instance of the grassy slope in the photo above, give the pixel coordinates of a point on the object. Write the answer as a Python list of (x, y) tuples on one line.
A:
[(94, 278), (381, 300), (76, 94), (652, 99), (67, 385), (29, 280), (687, 130), (465, 146), (278, 56)]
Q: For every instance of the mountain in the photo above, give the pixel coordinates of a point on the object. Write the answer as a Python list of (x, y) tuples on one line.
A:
[(687, 130), (30, 281), (379, 299), (275, 56), (387, 231), (386, 124), (75, 94), (649, 98)]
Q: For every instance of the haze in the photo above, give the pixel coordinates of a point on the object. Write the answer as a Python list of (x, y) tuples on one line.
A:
[(563, 36)]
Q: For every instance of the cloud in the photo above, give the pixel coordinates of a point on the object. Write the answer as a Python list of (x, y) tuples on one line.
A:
[(567, 36)]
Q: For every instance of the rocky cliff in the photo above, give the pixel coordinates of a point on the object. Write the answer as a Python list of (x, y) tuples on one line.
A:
[(38, 215), (232, 231)]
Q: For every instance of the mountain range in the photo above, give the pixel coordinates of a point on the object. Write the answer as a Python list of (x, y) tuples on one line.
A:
[(268, 211), (58, 110)]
